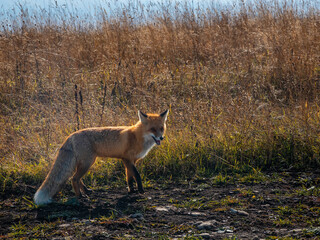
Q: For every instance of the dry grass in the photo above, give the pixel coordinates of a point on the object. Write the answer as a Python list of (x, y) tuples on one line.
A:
[(242, 85)]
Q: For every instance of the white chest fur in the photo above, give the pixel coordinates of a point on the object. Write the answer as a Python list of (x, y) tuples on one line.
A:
[(147, 146)]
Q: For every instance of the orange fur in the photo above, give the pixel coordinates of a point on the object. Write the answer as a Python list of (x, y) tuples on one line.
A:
[(81, 148)]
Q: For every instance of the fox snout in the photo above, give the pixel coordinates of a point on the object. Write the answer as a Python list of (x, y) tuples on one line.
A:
[(158, 139)]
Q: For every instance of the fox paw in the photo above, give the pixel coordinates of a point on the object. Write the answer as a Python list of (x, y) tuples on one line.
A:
[(131, 191), (88, 191), (141, 191)]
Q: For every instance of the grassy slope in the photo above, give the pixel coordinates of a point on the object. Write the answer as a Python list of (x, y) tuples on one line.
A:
[(243, 88)]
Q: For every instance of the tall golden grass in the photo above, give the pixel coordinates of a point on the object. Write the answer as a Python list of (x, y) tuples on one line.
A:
[(242, 85)]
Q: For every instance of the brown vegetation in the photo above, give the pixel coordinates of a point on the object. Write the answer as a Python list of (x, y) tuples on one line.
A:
[(242, 85)]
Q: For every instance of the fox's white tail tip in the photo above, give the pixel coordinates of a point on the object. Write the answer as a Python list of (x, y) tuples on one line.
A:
[(42, 198)]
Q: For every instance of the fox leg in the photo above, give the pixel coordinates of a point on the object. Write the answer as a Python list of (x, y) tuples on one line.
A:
[(132, 174), (129, 175), (84, 188), (77, 183), (130, 181), (137, 177)]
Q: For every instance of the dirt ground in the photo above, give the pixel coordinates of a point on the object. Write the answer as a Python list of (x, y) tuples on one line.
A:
[(283, 207)]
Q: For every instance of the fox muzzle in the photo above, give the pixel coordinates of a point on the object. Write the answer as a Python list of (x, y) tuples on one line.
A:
[(158, 139)]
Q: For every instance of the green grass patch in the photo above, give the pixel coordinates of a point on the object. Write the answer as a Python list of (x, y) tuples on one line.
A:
[(42, 230), (302, 214)]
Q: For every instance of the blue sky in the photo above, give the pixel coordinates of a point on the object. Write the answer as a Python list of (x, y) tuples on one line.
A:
[(85, 4), (88, 5), (86, 10)]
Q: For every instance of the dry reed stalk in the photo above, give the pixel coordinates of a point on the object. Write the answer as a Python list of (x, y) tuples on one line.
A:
[(230, 76)]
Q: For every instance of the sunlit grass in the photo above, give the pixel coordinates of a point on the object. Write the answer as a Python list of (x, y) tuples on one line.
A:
[(242, 88)]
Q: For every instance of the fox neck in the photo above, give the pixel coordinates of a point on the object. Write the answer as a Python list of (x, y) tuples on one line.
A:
[(147, 141)]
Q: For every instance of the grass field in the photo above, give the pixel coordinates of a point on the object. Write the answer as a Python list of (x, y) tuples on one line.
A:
[(242, 86), (243, 136)]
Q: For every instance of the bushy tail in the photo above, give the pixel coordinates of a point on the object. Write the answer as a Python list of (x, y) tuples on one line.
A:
[(61, 171)]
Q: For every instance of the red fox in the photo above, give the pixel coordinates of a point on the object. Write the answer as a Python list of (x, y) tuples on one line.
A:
[(80, 149)]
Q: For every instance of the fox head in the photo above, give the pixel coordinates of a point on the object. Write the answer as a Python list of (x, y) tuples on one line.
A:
[(155, 125)]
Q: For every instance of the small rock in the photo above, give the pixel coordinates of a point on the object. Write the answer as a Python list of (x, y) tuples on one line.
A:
[(233, 210), (224, 230), (166, 208), (239, 212), (197, 214), (267, 232), (178, 237), (162, 209), (207, 225), (64, 225), (136, 216), (243, 213), (298, 230), (88, 221)]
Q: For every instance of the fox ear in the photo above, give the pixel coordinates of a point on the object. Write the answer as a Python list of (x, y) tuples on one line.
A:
[(142, 116), (164, 115)]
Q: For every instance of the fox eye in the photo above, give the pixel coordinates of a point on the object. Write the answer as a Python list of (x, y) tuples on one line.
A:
[(161, 129), (153, 129)]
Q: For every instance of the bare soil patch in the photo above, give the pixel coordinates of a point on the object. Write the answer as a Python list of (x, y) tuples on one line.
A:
[(286, 206)]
